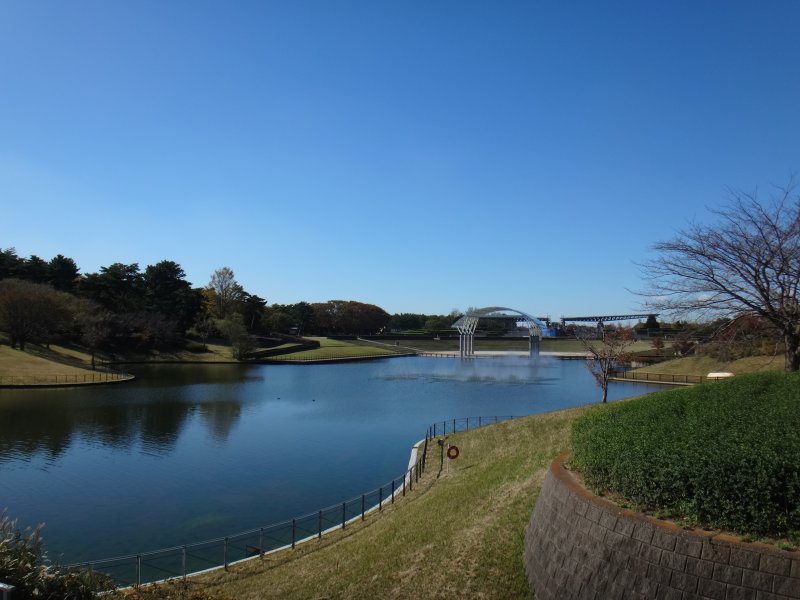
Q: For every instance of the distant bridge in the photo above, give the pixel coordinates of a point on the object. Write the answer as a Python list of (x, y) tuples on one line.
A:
[(601, 319)]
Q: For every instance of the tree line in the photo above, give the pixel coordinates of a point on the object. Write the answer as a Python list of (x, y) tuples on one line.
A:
[(122, 307)]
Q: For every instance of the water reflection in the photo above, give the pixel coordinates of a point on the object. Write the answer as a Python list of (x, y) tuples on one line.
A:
[(148, 414), (188, 452), (220, 417)]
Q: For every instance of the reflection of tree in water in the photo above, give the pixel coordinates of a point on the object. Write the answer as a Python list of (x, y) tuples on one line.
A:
[(26, 430), (161, 424), (50, 426), (168, 376), (220, 416), (111, 425)]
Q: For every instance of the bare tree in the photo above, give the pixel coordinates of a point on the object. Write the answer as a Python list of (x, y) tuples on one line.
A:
[(226, 292), (31, 311), (607, 355), (93, 323), (748, 263), (204, 326)]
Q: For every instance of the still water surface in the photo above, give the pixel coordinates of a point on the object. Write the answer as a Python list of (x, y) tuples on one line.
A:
[(189, 452)]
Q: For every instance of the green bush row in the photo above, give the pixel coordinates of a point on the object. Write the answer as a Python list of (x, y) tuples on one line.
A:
[(724, 455)]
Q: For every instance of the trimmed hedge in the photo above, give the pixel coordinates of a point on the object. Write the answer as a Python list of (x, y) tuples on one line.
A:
[(725, 455)]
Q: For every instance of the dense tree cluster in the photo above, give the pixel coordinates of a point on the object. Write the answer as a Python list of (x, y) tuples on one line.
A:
[(122, 307), (420, 322)]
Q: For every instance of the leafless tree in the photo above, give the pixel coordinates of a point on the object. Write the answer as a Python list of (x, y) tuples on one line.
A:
[(746, 263), (93, 323), (204, 326), (607, 355), (31, 311), (226, 292)]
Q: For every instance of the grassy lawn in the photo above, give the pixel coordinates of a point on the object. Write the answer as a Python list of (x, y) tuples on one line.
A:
[(460, 538), (215, 353), (60, 364), (703, 365), (335, 349), (30, 368), (15, 362)]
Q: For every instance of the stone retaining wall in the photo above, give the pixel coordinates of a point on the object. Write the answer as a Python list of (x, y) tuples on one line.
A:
[(581, 546)]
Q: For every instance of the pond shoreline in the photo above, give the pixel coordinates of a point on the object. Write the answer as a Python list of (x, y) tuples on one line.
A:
[(192, 452)]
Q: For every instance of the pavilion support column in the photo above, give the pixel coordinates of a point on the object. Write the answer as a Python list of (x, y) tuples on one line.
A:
[(534, 341)]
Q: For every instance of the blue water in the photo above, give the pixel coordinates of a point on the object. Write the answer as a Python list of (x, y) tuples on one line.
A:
[(189, 452)]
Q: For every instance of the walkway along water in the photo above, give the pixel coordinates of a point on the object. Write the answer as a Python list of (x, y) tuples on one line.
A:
[(192, 559)]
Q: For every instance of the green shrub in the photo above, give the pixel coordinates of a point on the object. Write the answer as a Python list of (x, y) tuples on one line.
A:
[(725, 455)]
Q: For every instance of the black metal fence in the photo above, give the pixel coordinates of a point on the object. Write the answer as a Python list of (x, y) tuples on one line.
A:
[(64, 379), (190, 559)]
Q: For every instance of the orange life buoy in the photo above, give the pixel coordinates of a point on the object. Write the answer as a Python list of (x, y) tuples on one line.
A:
[(452, 452)]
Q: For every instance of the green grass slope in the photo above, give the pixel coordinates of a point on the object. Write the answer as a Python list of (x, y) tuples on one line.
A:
[(460, 537)]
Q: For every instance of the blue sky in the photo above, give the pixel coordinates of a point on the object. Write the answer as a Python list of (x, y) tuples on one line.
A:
[(422, 156)]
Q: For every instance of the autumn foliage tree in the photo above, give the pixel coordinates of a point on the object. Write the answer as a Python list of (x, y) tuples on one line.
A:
[(349, 317)]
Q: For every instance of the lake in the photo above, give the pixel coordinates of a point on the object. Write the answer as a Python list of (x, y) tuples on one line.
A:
[(189, 452)]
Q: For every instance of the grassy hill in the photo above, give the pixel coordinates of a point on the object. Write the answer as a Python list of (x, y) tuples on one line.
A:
[(458, 535), (39, 366), (703, 365), (23, 364), (341, 349)]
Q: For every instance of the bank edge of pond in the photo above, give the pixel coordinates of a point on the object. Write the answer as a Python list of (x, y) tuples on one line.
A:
[(340, 359), (460, 537), (414, 475), (126, 377), (275, 361), (387, 502)]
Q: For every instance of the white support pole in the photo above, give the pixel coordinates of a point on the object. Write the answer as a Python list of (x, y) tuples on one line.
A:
[(534, 341)]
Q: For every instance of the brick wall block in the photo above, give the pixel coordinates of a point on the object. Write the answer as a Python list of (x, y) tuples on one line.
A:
[(578, 546)]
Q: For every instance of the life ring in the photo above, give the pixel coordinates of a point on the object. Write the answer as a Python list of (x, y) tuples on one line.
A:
[(452, 452)]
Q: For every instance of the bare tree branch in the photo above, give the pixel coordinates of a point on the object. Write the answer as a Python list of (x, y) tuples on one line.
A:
[(748, 263), (607, 355)]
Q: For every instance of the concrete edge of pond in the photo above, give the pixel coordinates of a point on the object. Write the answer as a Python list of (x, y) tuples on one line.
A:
[(411, 462)]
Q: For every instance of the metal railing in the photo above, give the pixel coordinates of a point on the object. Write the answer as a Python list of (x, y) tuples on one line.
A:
[(64, 379), (661, 377), (191, 559)]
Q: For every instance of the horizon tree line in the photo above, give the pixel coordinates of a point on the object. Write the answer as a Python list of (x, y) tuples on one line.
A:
[(122, 307)]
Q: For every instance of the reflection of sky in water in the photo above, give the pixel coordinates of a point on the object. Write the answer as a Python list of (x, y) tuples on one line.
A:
[(197, 451)]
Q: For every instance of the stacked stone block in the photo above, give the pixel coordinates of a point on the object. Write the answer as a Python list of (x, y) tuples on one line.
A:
[(580, 546)]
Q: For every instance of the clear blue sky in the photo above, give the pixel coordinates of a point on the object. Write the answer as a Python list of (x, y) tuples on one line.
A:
[(419, 155)]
